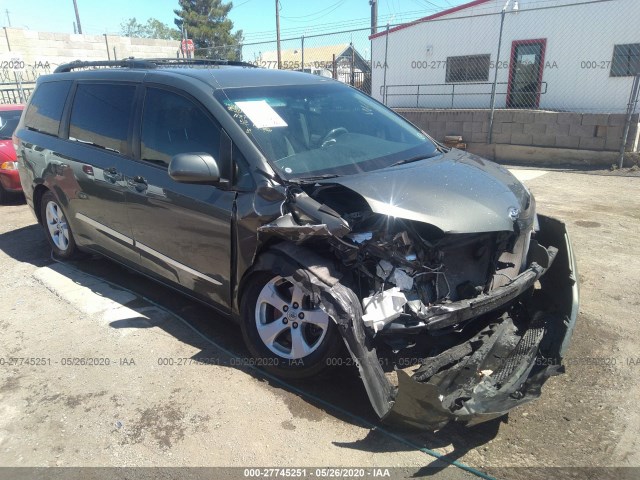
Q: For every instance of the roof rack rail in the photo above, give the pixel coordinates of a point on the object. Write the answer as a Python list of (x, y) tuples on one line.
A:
[(148, 63)]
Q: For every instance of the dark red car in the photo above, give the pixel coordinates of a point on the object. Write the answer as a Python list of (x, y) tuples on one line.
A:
[(9, 179)]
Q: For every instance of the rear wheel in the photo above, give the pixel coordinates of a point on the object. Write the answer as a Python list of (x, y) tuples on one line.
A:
[(285, 332), (56, 227)]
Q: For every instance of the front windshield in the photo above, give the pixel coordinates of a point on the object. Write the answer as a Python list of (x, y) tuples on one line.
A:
[(327, 129)]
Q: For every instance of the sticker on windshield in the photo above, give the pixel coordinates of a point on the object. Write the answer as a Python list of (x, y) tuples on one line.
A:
[(261, 114)]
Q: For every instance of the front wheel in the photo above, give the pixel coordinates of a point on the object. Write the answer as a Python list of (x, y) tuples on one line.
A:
[(285, 332), (56, 227)]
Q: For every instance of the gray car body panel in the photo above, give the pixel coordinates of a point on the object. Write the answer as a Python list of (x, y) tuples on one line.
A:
[(457, 192)]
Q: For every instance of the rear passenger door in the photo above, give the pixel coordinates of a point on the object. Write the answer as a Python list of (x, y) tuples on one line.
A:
[(100, 129), (183, 232)]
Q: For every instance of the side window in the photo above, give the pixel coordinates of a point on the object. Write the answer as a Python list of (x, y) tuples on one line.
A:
[(101, 115), (173, 124), (45, 110)]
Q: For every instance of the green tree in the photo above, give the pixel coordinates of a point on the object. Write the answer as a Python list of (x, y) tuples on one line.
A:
[(207, 24), (132, 28), (154, 28)]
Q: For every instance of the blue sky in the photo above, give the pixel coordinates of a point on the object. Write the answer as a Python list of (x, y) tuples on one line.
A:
[(255, 17)]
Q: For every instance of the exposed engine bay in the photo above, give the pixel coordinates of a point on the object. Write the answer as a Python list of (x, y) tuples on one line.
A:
[(470, 322)]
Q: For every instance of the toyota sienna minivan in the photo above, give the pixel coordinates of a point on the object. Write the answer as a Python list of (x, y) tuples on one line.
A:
[(329, 227)]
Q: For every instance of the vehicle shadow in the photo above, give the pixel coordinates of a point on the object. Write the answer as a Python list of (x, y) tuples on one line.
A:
[(13, 199), (26, 244), (457, 439), (337, 391)]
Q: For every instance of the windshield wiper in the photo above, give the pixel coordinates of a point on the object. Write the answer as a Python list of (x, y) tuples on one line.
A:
[(312, 178), (411, 159)]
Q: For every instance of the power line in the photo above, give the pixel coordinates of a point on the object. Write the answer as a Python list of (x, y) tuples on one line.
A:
[(339, 2), (318, 18), (269, 34)]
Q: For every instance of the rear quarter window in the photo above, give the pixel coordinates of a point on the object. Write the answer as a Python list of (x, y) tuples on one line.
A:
[(45, 110)]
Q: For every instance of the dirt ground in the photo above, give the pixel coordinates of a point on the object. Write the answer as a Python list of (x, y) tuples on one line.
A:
[(169, 384)]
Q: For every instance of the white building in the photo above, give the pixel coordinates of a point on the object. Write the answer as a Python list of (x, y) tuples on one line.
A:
[(566, 55)]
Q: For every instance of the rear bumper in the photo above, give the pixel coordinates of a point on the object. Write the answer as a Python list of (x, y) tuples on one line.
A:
[(10, 180), (505, 364)]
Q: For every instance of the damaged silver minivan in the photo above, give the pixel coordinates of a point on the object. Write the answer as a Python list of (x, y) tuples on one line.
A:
[(317, 218)]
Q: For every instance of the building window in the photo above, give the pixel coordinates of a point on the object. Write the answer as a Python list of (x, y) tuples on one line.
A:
[(469, 68), (626, 60)]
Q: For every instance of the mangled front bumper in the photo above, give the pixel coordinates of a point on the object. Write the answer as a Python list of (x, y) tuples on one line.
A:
[(505, 364)]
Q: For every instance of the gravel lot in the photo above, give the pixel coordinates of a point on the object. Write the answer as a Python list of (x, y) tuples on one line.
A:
[(176, 391)]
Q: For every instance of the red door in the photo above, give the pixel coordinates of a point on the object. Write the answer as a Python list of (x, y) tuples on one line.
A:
[(525, 73)]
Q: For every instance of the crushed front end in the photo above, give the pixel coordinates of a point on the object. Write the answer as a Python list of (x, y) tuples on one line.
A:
[(465, 307), (509, 354)]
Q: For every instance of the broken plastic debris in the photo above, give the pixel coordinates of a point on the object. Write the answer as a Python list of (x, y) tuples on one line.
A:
[(402, 280), (360, 237), (399, 277), (383, 308), (383, 269)]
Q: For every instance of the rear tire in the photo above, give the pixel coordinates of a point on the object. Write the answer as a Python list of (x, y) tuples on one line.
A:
[(286, 334), (56, 227)]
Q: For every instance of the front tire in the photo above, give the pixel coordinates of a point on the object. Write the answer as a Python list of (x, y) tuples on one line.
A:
[(56, 227), (285, 332)]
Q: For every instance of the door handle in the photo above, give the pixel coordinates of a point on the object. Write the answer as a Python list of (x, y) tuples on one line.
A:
[(139, 183), (111, 174)]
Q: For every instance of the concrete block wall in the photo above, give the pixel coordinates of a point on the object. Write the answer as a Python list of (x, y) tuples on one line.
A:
[(58, 48), (564, 133)]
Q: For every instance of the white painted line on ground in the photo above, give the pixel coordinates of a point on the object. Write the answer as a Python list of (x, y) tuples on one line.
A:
[(93, 296)]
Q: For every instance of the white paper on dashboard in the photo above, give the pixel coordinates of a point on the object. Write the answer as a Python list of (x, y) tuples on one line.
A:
[(261, 114)]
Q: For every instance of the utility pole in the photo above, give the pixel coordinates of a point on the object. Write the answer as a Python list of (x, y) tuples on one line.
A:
[(495, 74), (374, 16), (75, 7), (8, 19), (278, 32)]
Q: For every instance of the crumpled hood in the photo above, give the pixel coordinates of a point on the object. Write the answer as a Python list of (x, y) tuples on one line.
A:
[(457, 192)]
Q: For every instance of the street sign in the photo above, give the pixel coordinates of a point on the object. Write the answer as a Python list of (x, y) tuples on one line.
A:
[(187, 46)]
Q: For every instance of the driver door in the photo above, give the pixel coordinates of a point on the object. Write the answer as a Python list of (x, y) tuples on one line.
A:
[(182, 231)]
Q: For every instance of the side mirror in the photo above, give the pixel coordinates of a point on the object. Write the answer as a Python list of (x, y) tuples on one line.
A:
[(198, 167)]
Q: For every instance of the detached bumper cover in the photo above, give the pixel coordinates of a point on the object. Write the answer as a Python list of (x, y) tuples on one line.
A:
[(507, 365)]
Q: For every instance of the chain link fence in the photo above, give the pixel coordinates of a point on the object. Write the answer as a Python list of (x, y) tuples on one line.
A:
[(344, 56), (490, 59), (554, 55)]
